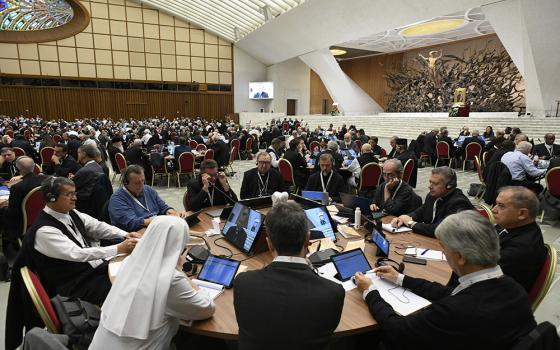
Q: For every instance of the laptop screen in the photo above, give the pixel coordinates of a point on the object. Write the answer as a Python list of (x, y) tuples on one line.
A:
[(353, 202), (242, 226), (320, 196), (319, 223), (219, 270), (350, 262)]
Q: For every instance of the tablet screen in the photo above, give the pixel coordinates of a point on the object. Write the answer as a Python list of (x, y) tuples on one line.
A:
[(219, 270), (242, 226), (318, 220), (381, 243), (350, 262)]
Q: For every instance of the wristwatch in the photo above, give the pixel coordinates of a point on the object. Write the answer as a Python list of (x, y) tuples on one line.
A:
[(411, 223)]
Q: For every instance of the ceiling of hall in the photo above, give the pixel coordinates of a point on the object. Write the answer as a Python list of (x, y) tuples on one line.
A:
[(230, 19), (435, 31)]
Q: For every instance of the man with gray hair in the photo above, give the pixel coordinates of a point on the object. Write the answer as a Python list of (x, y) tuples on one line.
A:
[(394, 196), (262, 180), (443, 200), (486, 302), (12, 215), (522, 169)]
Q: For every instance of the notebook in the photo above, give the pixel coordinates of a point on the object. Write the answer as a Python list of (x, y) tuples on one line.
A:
[(390, 228), (403, 301)]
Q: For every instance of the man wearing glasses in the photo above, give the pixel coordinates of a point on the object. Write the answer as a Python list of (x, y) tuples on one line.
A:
[(210, 188), (62, 246), (394, 196), (262, 180)]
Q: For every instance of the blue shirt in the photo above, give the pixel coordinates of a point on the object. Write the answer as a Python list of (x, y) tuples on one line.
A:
[(520, 165), (128, 214)]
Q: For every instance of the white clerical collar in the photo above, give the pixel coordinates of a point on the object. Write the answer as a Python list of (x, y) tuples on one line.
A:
[(291, 259), (57, 215), (477, 276)]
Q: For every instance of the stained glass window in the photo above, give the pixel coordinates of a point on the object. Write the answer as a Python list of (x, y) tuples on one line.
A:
[(28, 15)]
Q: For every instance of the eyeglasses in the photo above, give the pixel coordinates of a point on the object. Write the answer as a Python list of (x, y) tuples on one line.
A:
[(263, 162), (388, 175), (70, 194)]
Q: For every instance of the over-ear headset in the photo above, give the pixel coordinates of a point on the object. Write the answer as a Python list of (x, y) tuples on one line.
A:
[(452, 183), (53, 190), (399, 266), (131, 169)]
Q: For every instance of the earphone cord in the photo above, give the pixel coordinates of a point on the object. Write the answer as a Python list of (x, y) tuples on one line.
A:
[(223, 247), (204, 239)]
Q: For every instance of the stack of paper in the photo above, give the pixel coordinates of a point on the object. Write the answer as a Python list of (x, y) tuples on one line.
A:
[(339, 219), (348, 232), (325, 243), (425, 253), (210, 289), (403, 301), (355, 244), (390, 228)]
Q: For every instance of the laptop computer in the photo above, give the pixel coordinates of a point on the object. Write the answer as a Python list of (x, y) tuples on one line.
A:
[(304, 202), (353, 202), (320, 223), (257, 202), (319, 196)]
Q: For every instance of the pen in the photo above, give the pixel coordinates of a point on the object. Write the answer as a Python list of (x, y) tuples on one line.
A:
[(424, 252), (319, 246)]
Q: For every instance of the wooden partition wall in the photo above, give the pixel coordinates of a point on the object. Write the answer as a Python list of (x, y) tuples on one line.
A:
[(69, 103)]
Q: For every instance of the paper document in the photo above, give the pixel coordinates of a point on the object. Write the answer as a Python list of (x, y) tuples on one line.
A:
[(210, 289), (326, 243), (390, 228), (339, 219), (425, 253), (329, 272), (403, 301), (355, 244), (348, 232), (332, 209)]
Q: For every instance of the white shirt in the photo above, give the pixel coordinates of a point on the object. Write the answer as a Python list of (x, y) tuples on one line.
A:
[(291, 259), (51, 242)]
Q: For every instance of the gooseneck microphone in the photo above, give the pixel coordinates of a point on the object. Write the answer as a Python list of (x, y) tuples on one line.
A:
[(211, 184)]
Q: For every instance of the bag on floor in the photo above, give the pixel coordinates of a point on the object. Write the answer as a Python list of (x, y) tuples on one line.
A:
[(79, 319), (474, 189)]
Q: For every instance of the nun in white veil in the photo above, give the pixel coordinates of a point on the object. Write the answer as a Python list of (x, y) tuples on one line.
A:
[(151, 293)]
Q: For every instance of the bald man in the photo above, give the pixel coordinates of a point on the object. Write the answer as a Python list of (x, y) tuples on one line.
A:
[(367, 156), (347, 143), (547, 149)]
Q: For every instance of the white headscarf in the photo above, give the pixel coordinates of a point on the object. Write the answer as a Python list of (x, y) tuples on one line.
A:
[(137, 301)]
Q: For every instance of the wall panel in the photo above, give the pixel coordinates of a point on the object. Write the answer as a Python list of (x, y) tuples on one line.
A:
[(68, 103)]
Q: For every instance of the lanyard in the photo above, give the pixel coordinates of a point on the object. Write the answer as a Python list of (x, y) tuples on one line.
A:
[(497, 273), (397, 190), (264, 184), (211, 196), (434, 209), (78, 234), (145, 207), (323, 181)]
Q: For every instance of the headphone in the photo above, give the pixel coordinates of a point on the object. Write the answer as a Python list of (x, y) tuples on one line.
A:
[(53, 190), (131, 169), (452, 183), (190, 268), (399, 266)]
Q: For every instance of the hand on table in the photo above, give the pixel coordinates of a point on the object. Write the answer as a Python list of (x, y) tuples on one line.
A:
[(401, 221), (362, 282)]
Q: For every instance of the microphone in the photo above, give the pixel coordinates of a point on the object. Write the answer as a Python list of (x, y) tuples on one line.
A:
[(232, 201)]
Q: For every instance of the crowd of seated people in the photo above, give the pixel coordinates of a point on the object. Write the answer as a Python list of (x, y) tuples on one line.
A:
[(61, 246)]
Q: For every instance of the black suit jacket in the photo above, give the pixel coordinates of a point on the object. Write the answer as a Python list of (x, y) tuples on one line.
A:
[(299, 165), (367, 158), (250, 185), (67, 166), (334, 187), (221, 153), (8, 170), (404, 202), (541, 151), (199, 199), (93, 189), (13, 218), (286, 306), (489, 315), (453, 203), (73, 145), (522, 254), (430, 143)]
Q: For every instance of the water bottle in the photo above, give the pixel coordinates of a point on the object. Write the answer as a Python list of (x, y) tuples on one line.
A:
[(357, 218)]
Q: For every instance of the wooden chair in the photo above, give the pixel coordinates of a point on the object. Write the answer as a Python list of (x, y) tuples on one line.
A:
[(18, 152), (237, 144), (57, 138), (41, 300), (185, 166), (485, 211), (314, 145), (287, 173), (544, 280), (370, 176), (233, 154), (285, 127), (482, 189), (201, 147), (37, 169), (46, 155), (249, 148), (443, 153), (485, 159), (209, 154), (407, 170), (552, 180), (186, 201), (425, 156), (358, 145), (162, 171), (193, 144), (121, 164), (383, 153), (31, 207), (473, 149)]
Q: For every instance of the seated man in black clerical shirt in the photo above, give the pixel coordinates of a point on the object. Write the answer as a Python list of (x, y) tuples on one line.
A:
[(210, 188), (62, 164), (262, 180), (327, 180), (487, 310), (310, 306), (443, 200)]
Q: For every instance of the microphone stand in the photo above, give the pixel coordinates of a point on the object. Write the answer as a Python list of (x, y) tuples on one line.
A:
[(211, 184)]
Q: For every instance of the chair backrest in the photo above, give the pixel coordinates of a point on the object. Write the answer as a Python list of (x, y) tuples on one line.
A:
[(442, 149), (383, 153), (186, 162), (233, 154), (235, 143), (314, 145), (27, 134), (10, 133), (478, 169), (407, 170), (543, 337), (41, 300), (209, 154), (121, 162), (485, 159), (370, 175), (37, 169), (249, 145), (201, 147), (473, 149), (544, 280), (31, 206), (18, 152), (286, 170), (285, 126), (552, 179), (193, 144), (485, 211), (46, 154), (57, 138), (358, 145), (186, 201)]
